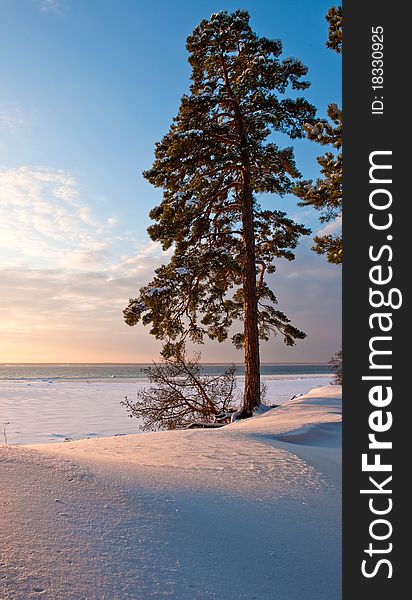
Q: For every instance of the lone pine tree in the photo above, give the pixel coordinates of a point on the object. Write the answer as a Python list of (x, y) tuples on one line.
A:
[(211, 164), (325, 194)]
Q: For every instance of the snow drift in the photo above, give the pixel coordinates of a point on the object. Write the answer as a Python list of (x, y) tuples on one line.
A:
[(251, 510)]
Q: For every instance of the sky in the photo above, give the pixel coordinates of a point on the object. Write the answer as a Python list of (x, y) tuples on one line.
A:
[(87, 88)]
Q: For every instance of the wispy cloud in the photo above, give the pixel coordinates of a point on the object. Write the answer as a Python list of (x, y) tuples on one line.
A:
[(332, 227), (45, 222), (11, 121), (60, 315), (43, 219), (145, 255), (55, 315), (53, 6), (67, 273)]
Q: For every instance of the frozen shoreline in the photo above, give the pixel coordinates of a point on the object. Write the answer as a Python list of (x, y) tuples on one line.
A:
[(248, 511), (43, 411)]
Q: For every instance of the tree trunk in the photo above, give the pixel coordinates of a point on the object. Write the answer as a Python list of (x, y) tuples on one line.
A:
[(251, 398)]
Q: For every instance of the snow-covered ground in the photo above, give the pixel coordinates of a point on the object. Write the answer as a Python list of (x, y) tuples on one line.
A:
[(249, 511), (51, 410)]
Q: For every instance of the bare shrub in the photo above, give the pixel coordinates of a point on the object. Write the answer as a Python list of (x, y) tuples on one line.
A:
[(336, 366), (180, 395)]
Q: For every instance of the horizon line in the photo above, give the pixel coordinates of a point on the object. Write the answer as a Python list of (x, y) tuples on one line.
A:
[(62, 363)]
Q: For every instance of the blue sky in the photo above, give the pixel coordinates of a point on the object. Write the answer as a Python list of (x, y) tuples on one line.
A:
[(88, 87)]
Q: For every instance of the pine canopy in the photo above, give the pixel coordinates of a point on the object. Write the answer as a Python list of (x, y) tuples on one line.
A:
[(216, 158), (325, 194)]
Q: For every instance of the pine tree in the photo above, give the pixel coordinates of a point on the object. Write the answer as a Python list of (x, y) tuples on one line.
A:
[(334, 19), (211, 164), (325, 194)]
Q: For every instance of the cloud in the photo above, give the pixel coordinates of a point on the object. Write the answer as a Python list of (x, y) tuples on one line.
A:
[(145, 255), (43, 220), (53, 315), (52, 6), (59, 315), (11, 121), (308, 290), (54, 299), (332, 227), (67, 273)]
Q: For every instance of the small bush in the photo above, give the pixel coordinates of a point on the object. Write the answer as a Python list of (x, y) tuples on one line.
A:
[(180, 395), (336, 366)]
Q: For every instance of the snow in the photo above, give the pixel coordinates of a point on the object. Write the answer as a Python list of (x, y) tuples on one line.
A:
[(42, 411), (251, 510), (182, 271), (189, 132), (155, 291), (191, 202)]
